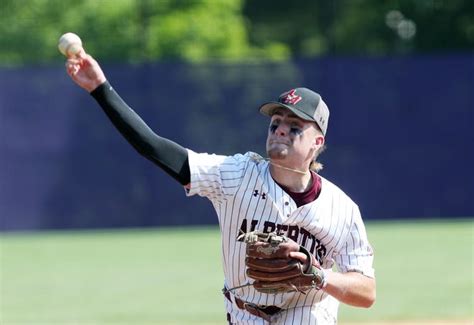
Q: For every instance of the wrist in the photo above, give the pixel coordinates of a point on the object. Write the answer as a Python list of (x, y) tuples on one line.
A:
[(100, 89), (96, 84), (323, 280)]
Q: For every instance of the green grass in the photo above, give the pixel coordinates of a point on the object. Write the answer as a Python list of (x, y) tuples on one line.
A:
[(133, 277), (424, 271), (173, 276)]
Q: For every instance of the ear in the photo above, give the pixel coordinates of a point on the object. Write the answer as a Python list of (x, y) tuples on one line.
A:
[(318, 142)]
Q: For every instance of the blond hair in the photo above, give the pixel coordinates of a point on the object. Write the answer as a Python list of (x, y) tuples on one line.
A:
[(315, 165)]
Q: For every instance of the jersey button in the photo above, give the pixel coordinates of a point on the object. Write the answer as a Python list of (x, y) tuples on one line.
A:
[(287, 203)]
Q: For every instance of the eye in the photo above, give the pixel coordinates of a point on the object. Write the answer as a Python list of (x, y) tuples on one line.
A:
[(273, 127), (295, 130)]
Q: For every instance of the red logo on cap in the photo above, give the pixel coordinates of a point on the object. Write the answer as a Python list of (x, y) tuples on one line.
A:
[(291, 98)]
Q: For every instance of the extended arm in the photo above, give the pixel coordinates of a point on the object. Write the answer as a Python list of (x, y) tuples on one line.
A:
[(351, 288), (168, 155)]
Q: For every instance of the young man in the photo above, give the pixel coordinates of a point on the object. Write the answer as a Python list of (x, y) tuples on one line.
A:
[(279, 194)]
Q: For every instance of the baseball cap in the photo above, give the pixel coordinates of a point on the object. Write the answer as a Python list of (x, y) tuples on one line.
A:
[(305, 103)]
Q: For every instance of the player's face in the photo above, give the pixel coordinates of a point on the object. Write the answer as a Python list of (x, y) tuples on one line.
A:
[(292, 139)]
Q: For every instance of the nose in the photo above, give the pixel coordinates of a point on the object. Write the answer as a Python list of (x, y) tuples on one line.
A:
[(281, 130)]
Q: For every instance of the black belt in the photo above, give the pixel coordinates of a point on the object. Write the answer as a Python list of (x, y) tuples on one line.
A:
[(265, 312)]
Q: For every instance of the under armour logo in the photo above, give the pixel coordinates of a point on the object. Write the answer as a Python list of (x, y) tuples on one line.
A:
[(290, 97), (257, 193)]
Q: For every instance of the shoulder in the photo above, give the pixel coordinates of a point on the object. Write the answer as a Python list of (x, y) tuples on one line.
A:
[(333, 192), (237, 159), (254, 157), (248, 157), (248, 161)]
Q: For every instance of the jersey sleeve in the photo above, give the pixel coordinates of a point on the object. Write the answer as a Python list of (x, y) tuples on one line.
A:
[(356, 254), (213, 176)]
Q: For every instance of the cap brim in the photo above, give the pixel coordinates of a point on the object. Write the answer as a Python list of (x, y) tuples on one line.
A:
[(269, 108)]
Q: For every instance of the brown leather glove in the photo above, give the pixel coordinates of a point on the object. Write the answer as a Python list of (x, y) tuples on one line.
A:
[(269, 263)]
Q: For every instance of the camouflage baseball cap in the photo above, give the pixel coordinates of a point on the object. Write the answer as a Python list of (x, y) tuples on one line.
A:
[(305, 103)]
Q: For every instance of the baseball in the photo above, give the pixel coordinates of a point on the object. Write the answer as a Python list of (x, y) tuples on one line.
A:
[(69, 44)]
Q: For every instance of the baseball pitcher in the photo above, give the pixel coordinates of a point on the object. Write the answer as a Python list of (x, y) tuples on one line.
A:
[(293, 244)]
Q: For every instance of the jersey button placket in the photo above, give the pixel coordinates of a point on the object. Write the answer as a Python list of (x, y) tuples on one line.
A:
[(287, 207)]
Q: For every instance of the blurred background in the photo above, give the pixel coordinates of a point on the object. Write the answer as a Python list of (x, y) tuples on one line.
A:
[(398, 77)]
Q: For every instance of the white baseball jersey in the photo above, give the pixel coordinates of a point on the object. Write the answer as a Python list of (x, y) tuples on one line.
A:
[(246, 198)]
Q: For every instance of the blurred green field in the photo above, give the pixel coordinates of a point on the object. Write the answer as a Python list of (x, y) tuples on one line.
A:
[(173, 276)]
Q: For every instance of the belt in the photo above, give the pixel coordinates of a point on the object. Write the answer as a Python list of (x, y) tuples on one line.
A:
[(265, 312)]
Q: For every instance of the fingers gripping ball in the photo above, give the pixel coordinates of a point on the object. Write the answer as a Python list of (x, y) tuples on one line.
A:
[(69, 44), (269, 263)]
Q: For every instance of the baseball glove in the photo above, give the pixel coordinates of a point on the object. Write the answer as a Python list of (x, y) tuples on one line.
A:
[(269, 263)]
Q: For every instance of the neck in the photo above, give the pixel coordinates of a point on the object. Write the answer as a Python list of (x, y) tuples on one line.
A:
[(295, 180), (301, 172)]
